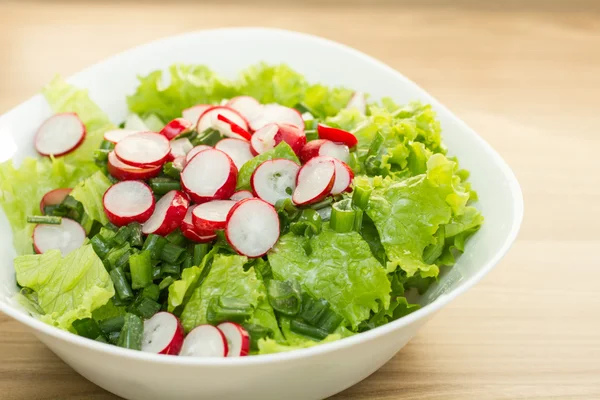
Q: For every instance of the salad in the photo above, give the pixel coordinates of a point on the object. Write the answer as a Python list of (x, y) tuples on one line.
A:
[(226, 218)]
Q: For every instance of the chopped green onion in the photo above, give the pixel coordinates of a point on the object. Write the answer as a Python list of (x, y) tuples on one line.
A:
[(342, 216), (162, 186), (107, 145), (101, 248), (136, 238), (176, 237), (171, 253), (155, 271), (144, 307), (140, 266), (132, 332), (165, 283), (308, 224), (118, 256), (122, 235), (111, 227), (200, 250), (114, 324), (313, 310), (101, 155), (330, 321), (311, 135), (101, 339), (360, 197), (154, 244), (44, 219), (87, 327), (171, 171), (187, 262), (113, 337), (121, 284), (257, 332), (209, 137), (323, 203), (222, 309), (304, 329), (106, 234), (151, 291), (169, 270), (284, 297), (325, 213)]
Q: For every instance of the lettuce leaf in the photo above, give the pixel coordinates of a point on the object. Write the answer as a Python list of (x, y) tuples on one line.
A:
[(270, 346), (68, 288), (265, 316), (282, 150), (339, 269), (89, 193)]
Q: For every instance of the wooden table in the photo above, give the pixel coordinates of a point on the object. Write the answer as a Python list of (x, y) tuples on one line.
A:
[(526, 76)]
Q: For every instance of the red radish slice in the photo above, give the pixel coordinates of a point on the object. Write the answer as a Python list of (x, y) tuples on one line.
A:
[(180, 148), (209, 119), (336, 135), (195, 151), (294, 136), (163, 334), (266, 138), (127, 202), (241, 195), (247, 106), (168, 214), (322, 147), (275, 113), (176, 127), (238, 150), (60, 134), (358, 101), (343, 176), (125, 172), (238, 339), (143, 149), (315, 181), (179, 163), (54, 198), (252, 227), (230, 129), (210, 217), (274, 180), (192, 114), (189, 231), (210, 175), (204, 341), (116, 135), (66, 237)]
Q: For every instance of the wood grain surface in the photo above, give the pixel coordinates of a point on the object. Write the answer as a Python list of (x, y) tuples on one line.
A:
[(525, 75)]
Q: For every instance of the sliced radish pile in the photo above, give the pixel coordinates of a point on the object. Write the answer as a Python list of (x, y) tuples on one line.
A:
[(60, 134), (238, 150), (315, 181), (168, 214), (116, 135), (275, 113), (274, 180), (66, 237), (210, 175), (266, 138), (210, 217), (343, 176), (204, 341), (238, 340), (180, 147), (176, 127), (54, 198), (247, 106), (322, 147), (241, 195), (358, 101), (189, 230), (336, 135), (195, 151), (192, 114), (230, 129), (210, 119), (252, 227), (124, 172), (163, 334), (127, 202), (143, 149)]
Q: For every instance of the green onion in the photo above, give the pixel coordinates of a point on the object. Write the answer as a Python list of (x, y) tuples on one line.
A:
[(342, 216), (165, 283), (256, 332), (118, 256), (117, 302), (171, 253), (44, 219), (321, 204), (140, 266), (156, 271), (209, 137), (330, 321), (101, 248), (114, 324), (162, 186), (87, 327), (170, 171), (304, 329), (187, 262), (111, 227), (122, 235), (169, 270), (101, 155), (311, 135), (113, 337), (106, 234), (144, 307), (132, 333), (360, 197), (200, 250), (313, 310), (176, 237), (284, 297), (106, 145), (308, 224), (101, 339), (121, 284), (154, 244), (136, 238), (222, 309), (151, 291)]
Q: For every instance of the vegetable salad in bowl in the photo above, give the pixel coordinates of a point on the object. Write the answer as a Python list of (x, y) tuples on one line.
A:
[(232, 218)]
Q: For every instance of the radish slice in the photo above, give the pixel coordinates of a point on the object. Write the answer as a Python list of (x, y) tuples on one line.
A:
[(294, 136), (180, 148), (195, 151), (189, 231), (238, 340), (163, 334), (343, 176), (204, 341), (168, 214), (322, 147), (247, 106), (266, 138), (315, 181), (337, 135), (143, 149), (176, 127), (179, 163), (358, 101), (116, 135), (238, 150), (60, 134), (274, 180), (210, 175), (210, 119), (192, 114), (241, 195), (54, 198), (127, 202), (210, 217), (125, 172), (230, 129), (66, 237), (275, 113), (252, 227)]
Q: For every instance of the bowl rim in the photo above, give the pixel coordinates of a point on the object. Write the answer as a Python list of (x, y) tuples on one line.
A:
[(324, 348)]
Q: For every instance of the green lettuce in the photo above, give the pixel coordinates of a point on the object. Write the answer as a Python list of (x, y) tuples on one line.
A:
[(265, 316), (68, 288), (89, 193), (270, 346), (282, 150), (339, 269)]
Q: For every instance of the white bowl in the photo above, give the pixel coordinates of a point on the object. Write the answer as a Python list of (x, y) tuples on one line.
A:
[(312, 373)]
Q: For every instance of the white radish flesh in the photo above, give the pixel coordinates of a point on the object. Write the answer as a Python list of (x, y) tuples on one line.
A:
[(192, 114), (275, 180), (66, 237), (143, 149), (163, 334), (211, 216), (127, 202), (204, 341), (116, 135), (338, 151), (168, 214), (315, 181), (266, 138), (238, 340), (241, 195), (275, 113), (252, 227), (343, 176), (210, 175), (180, 147), (358, 101), (247, 106), (238, 150), (210, 119), (189, 230), (230, 129), (195, 151), (59, 135)]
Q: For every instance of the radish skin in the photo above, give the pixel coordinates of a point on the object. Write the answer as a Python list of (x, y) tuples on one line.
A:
[(144, 149), (168, 214), (54, 198), (163, 334), (128, 201), (59, 135), (210, 175), (125, 172)]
